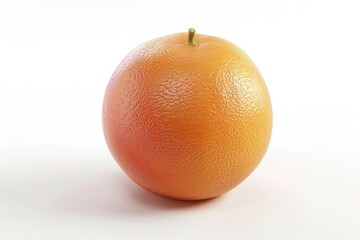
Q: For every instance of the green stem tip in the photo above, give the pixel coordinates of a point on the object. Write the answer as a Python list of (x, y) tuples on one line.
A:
[(191, 37)]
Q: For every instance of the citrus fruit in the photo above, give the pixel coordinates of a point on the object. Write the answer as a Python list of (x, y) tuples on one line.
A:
[(187, 116)]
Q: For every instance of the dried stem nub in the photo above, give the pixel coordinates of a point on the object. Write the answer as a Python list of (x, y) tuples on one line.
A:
[(191, 35)]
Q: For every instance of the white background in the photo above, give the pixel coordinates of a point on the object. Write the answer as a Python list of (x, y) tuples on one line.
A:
[(58, 180)]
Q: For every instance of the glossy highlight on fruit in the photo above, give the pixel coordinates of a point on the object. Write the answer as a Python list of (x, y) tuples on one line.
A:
[(187, 116)]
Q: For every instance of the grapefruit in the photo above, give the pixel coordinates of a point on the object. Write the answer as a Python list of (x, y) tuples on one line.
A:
[(187, 116)]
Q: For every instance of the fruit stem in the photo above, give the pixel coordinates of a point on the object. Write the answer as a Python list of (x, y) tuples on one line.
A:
[(191, 37)]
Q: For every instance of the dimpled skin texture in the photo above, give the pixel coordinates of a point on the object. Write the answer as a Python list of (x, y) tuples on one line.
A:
[(187, 122)]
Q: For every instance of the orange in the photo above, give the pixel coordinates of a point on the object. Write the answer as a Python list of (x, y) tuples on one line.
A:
[(187, 116)]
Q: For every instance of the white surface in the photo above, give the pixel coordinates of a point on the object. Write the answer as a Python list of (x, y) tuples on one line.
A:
[(58, 180)]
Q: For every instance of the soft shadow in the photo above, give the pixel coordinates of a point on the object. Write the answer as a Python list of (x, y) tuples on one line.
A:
[(115, 194)]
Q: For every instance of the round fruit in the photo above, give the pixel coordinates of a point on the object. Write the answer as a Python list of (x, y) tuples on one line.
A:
[(187, 117)]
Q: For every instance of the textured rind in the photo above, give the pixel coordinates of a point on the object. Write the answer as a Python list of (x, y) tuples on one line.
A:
[(187, 122)]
